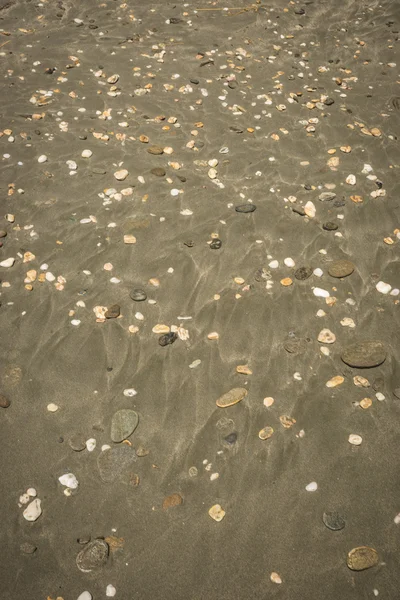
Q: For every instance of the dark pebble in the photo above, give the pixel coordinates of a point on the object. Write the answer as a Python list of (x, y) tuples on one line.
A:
[(339, 203), (396, 393), (4, 402), (138, 295), (333, 521), (235, 129), (83, 137), (158, 172), (77, 442), (307, 187), (329, 226), (189, 243), (329, 102), (194, 81), (216, 244), (113, 312), (341, 268), (303, 273), (245, 208), (378, 384), (3, 233), (299, 210), (99, 170), (231, 438), (176, 20), (155, 150), (364, 355), (167, 338), (28, 548), (300, 11)]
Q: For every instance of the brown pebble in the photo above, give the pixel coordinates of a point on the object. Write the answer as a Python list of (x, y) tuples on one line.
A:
[(362, 558), (4, 402), (171, 501), (232, 397), (155, 150)]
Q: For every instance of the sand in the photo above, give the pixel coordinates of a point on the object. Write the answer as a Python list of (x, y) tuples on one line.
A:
[(235, 108)]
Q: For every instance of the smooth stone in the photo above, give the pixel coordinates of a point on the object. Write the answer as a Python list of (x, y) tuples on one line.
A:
[(245, 208), (329, 102), (138, 295), (329, 226), (231, 438), (4, 402), (85, 596), (365, 354), (123, 424), (303, 273), (113, 312), (362, 557), (28, 548), (155, 150), (114, 462), (158, 172), (77, 442), (232, 397), (33, 510), (341, 268), (333, 521), (167, 338), (93, 556), (3, 233), (171, 501), (396, 393), (216, 244), (327, 196), (299, 210), (194, 81), (265, 433)]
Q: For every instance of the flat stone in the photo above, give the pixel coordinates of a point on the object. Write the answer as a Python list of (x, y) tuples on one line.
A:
[(245, 208), (158, 172), (4, 402), (265, 433), (363, 355), (123, 424), (138, 295), (327, 196), (33, 510), (77, 442), (362, 557), (232, 397), (155, 150), (113, 312), (115, 462), (329, 226), (3, 233), (329, 101), (295, 345), (171, 501), (167, 338), (303, 273), (333, 521), (341, 268), (93, 556), (28, 548)]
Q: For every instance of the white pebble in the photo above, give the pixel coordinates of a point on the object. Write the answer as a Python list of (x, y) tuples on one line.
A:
[(75, 322), (379, 396), (7, 263), (85, 596), (174, 192), (320, 293), (42, 158), (33, 510), (383, 288), (50, 277), (69, 480), (397, 519), (312, 487), (289, 262), (52, 407), (274, 264), (90, 444), (351, 180), (86, 153), (110, 591), (195, 364), (130, 392), (355, 439), (139, 316), (31, 492), (318, 272)]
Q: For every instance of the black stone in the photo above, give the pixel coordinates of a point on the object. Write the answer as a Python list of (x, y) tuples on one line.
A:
[(167, 338), (176, 20), (138, 295), (216, 244), (329, 226), (299, 210), (245, 208), (300, 11), (333, 521), (3, 233), (113, 312), (339, 203), (194, 81), (231, 438), (303, 273)]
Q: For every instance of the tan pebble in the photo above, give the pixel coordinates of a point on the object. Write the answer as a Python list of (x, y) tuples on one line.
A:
[(154, 281), (360, 381), (362, 557), (333, 162), (356, 199), (100, 312), (121, 174), (168, 150), (31, 276), (244, 370), (52, 407), (28, 257), (335, 381), (286, 281), (265, 433), (42, 277), (160, 328), (239, 280), (376, 132), (286, 421), (365, 131), (232, 397), (388, 240), (217, 297), (144, 139), (268, 401), (29, 287), (332, 151), (365, 403), (108, 267), (326, 336), (133, 328), (355, 440), (345, 149), (330, 301), (129, 239), (175, 165), (172, 501), (213, 335), (275, 578), (216, 512)]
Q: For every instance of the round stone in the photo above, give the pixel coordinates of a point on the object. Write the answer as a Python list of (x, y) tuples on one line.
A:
[(77, 442), (333, 521), (93, 556), (329, 226), (155, 150), (265, 433), (4, 402), (216, 244), (362, 558), (158, 172), (123, 424), (341, 268), (172, 501), (365, 354), (245, 208), (303, 273), (113, 312), (3, 233), (167, 338), (231, 438), (138, 295), (232, 397)]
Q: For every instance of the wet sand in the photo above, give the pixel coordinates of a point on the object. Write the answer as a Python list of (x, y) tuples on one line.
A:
[(290, 108)]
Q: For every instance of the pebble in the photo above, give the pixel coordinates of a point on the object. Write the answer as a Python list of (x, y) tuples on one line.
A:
[(217, 513), (121, 175), (69, 480), (361, 558), (167, 338), (275, 578), (172, 501), (333, 521), (86, 153), (116, 462), (110, 591), (155, 150), (341, 268), (52, 407), (216, 244), (312, 487), (113, 312), (335, 381), (232, 397), (355, 440), (42, 158), (265, 433), (7, 263), (4, 402), (383, 288), (123, 424), (303, 273), (85, 596), (33, 510), (138, 295), (93, 556), (158, 172), (77, 442), (364, 354), (245, 208), (326, 336)]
